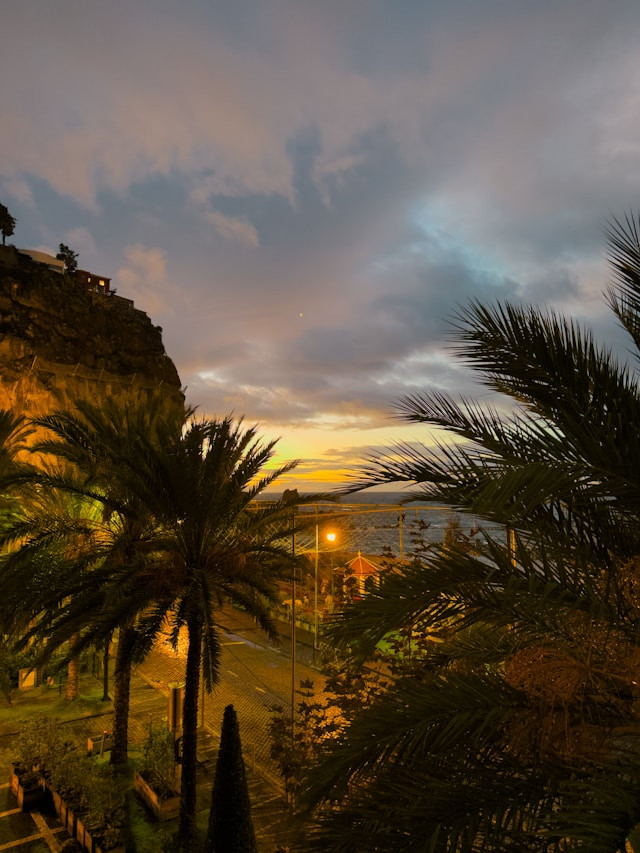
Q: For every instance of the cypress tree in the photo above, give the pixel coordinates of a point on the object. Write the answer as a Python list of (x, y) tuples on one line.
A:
[(230, 824)]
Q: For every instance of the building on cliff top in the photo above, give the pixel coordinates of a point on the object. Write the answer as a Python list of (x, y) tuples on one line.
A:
[(93, 283), (90, 281), (48, 261)]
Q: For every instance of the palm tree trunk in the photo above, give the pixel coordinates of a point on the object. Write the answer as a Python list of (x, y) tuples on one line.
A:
[(105, 671), (190, 733), (121, 693), (72, 690)]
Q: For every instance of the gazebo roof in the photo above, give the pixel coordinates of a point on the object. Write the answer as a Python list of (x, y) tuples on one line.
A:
[(363, 567)]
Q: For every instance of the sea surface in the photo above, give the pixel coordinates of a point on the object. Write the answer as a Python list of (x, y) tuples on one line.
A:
[(376, 523)]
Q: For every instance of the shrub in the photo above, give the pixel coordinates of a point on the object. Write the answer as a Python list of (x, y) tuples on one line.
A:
[(105, 805), (38, 743), (159, 761), (86, 786)]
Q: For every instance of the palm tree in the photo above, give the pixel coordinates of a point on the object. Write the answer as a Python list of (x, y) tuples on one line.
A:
[(15, 472), (82, 520), (74, 572), (521, 731), (179, 535), (217, 546), (47, 544), (15, 432)]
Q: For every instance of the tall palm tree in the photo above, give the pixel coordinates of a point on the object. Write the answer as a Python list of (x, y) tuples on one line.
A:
[(179, 535), (217, 546), (101, 540), (15, 432), (15, 470), (75, 571), (522, 730)]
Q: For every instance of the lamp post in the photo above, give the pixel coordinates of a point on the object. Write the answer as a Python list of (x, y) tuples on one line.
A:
[(315, 600), (290, 496), (331, 537)]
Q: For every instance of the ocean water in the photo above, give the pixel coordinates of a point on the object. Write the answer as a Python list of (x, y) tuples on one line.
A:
[(375, 523)]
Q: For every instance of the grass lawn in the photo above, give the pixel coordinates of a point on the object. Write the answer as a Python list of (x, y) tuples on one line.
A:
[(26, 704)]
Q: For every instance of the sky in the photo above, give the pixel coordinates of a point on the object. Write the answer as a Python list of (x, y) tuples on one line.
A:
[(302, 194)]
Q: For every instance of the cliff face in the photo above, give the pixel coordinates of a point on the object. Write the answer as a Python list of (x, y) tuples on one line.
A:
[(59, 343)]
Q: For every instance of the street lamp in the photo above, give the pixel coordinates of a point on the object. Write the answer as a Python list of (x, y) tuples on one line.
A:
[(290, 496), (315, 600), (331, 537)]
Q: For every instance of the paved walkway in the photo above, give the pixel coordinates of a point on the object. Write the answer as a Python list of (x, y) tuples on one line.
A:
[(27, 831), (255, 676)]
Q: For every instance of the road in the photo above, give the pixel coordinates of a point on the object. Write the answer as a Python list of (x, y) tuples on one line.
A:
[(254, 677)]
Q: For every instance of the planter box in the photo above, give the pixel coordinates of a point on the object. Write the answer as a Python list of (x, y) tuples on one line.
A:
[(88, 841), (57, 801), (119, 849), (14, 780), (31, 797), (163, 809), (69, 821), (93, 845), (63, 813), (100, 744), (75, 827), (79, 832)]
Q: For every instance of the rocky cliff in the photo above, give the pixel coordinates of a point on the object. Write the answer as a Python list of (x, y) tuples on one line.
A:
[(60, 343)]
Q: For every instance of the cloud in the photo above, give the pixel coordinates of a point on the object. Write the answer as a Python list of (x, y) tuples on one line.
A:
[(17, 188), (232, 105), (383, 166), (144, 278), (81, 241), (148, 264), (234, 228)]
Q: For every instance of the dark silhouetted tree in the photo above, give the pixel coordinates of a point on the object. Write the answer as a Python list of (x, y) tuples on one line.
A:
[(7, 223), (69, 257), (519, 729), (230, 824)]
